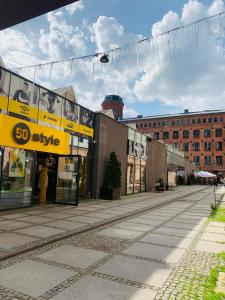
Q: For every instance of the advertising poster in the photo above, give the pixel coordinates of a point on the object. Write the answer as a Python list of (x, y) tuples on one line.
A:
[(4, 90), (17, 163), (71, 116), (50, 109), (23, 99), (86, 122)]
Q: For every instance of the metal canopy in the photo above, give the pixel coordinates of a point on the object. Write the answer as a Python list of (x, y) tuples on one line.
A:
[(13, 12)]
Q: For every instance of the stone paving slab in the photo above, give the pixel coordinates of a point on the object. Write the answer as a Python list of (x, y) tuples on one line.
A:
[(214, 237), (164, 240), (56, 215), (11, 240), (120, 233), (94, 288), (210, 247), (175, 231), (33, 278), (133, 226), (13, 216), (12, 225), (84, 219), (151, 273), (186, 221), (217, 224), (145, 221), (40, 231), (36, 219), (165, 254), (154, 217), (178, 225), (65, 224), (73, 256), (100, 215), (215, 229)]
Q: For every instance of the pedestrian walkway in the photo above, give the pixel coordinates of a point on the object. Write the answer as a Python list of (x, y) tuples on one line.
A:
[(25, 229), (138, 254)]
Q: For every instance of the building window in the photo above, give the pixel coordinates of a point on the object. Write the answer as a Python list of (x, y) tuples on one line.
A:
[(163, 123), (145, 125), (185, 134), (173, 123), (219, 146), (207, 132), (165, 135), (219, 160), (199, 121), (175, 134), (207, 146), (136, 125), (156, 135), (185, 146), (159, 123), (150, 124), (196, 146), (219, 132), (204, 120), (188, 121), (141, 125), (207, 160), (215, 120), (175, 146), (193, 121), (209, 120), (154, 124), (196, 133), (221, 119), (197, 160)]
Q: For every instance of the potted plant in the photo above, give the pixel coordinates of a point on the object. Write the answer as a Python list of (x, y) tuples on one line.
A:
[(112, 181), (159, 185)]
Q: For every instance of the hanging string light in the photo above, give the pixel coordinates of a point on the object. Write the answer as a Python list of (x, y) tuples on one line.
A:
[(152, 42)]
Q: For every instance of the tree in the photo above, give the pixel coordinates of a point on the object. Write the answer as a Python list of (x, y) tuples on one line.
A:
[(113, 173)]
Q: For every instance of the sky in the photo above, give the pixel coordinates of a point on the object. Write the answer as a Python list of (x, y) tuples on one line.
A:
[(184, 69)]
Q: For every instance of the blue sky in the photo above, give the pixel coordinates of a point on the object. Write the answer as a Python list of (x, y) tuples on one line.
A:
[(152, 79)]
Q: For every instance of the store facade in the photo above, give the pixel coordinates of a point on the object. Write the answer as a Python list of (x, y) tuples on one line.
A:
[(136, 162), (46, 145)]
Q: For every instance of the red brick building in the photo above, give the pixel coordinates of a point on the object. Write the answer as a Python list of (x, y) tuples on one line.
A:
[(115, 103), (200, 135)]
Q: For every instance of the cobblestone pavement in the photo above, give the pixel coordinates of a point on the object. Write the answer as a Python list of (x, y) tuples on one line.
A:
[(146, 254)]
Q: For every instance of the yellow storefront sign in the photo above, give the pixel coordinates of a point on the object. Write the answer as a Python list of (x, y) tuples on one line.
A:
[(48, 118), (86, 130), (70, 125), (22, 109), (3, 102), (26, 135)]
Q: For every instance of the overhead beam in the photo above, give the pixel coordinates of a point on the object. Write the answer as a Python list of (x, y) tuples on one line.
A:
[(13, 12)]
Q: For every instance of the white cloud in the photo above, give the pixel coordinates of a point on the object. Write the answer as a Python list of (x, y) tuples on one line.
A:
[(108, 33), (62, 40), (188, 68), (185, 68), (72, 8)]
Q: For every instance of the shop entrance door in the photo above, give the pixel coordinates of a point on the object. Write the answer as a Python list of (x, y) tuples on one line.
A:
[(67, 179)]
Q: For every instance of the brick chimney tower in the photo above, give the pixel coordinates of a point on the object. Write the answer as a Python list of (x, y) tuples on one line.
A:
[(115, 103)]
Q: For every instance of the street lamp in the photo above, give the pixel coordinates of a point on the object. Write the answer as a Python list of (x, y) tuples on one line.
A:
[(104, 59)]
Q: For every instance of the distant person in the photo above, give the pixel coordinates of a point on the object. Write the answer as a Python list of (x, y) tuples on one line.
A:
[(23, 96), (215, 182)]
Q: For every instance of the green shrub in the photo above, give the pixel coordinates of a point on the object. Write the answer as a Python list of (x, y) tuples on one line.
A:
[(113, 173)]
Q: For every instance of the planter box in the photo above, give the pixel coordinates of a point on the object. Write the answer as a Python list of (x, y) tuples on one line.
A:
[(110, 194)]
